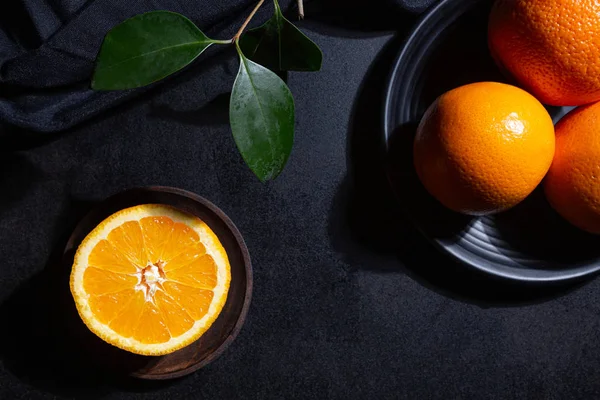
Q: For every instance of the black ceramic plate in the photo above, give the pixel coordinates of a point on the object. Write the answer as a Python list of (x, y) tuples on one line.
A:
[(530, 242)]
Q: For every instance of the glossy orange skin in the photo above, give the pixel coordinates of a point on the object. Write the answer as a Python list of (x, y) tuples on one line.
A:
[(551, 47), (573, 183), (482, 148)]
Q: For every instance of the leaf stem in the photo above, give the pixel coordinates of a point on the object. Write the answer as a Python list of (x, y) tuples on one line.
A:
[(246, 22), (300, 9), (215, 41)]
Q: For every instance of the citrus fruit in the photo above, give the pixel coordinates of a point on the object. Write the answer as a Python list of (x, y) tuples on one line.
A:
[(482, 148), (572, 185), (150, 279), (551, 47)]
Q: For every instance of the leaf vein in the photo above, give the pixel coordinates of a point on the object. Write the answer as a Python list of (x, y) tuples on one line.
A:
[(207, 43), (260, 107)]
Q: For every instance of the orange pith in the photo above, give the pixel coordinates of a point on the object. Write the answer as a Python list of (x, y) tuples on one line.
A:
[(150, 279), (551, 47)]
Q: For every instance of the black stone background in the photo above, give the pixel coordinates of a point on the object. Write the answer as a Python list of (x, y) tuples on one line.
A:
[(350, 302)]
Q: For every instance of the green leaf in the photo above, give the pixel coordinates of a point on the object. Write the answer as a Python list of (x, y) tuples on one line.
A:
[(280, 46), (147, 48), (261, 113)]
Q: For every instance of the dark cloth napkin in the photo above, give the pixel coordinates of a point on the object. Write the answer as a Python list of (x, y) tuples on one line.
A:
[(47, 52), (48, 47)]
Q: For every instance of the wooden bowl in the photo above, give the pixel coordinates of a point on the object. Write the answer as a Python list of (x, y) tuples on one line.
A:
[(223, 331)]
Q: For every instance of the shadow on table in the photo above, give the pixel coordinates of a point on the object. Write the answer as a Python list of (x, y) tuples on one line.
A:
[(366, 218), (14, 186), (355, 18), (44, 342), (214, 112)]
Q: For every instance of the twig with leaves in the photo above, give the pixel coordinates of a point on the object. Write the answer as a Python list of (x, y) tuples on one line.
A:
[(149, 47), (247, 21)]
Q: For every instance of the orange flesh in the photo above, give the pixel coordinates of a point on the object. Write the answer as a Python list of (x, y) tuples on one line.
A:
[(150, 280)]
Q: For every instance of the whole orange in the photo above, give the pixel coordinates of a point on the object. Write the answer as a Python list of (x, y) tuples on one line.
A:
[(482, 148), (573, 182), (551, 47)]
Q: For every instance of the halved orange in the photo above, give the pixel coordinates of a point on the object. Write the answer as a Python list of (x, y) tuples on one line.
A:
[(150, 279)]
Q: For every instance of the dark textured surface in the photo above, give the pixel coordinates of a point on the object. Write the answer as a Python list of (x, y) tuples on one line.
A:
[(349, 301)]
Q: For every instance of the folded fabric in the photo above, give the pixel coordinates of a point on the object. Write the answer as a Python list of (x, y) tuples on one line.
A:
[(48, 48)]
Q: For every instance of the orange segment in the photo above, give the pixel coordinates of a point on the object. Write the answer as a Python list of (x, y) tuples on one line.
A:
[(176, 319), (108, 306), (201, 273), (105, 256), (156, 231), (181, 239), (150, 279), (193, 300), (127, 321), (185, 258), (98, 281), (152, 327), (128, 239)]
